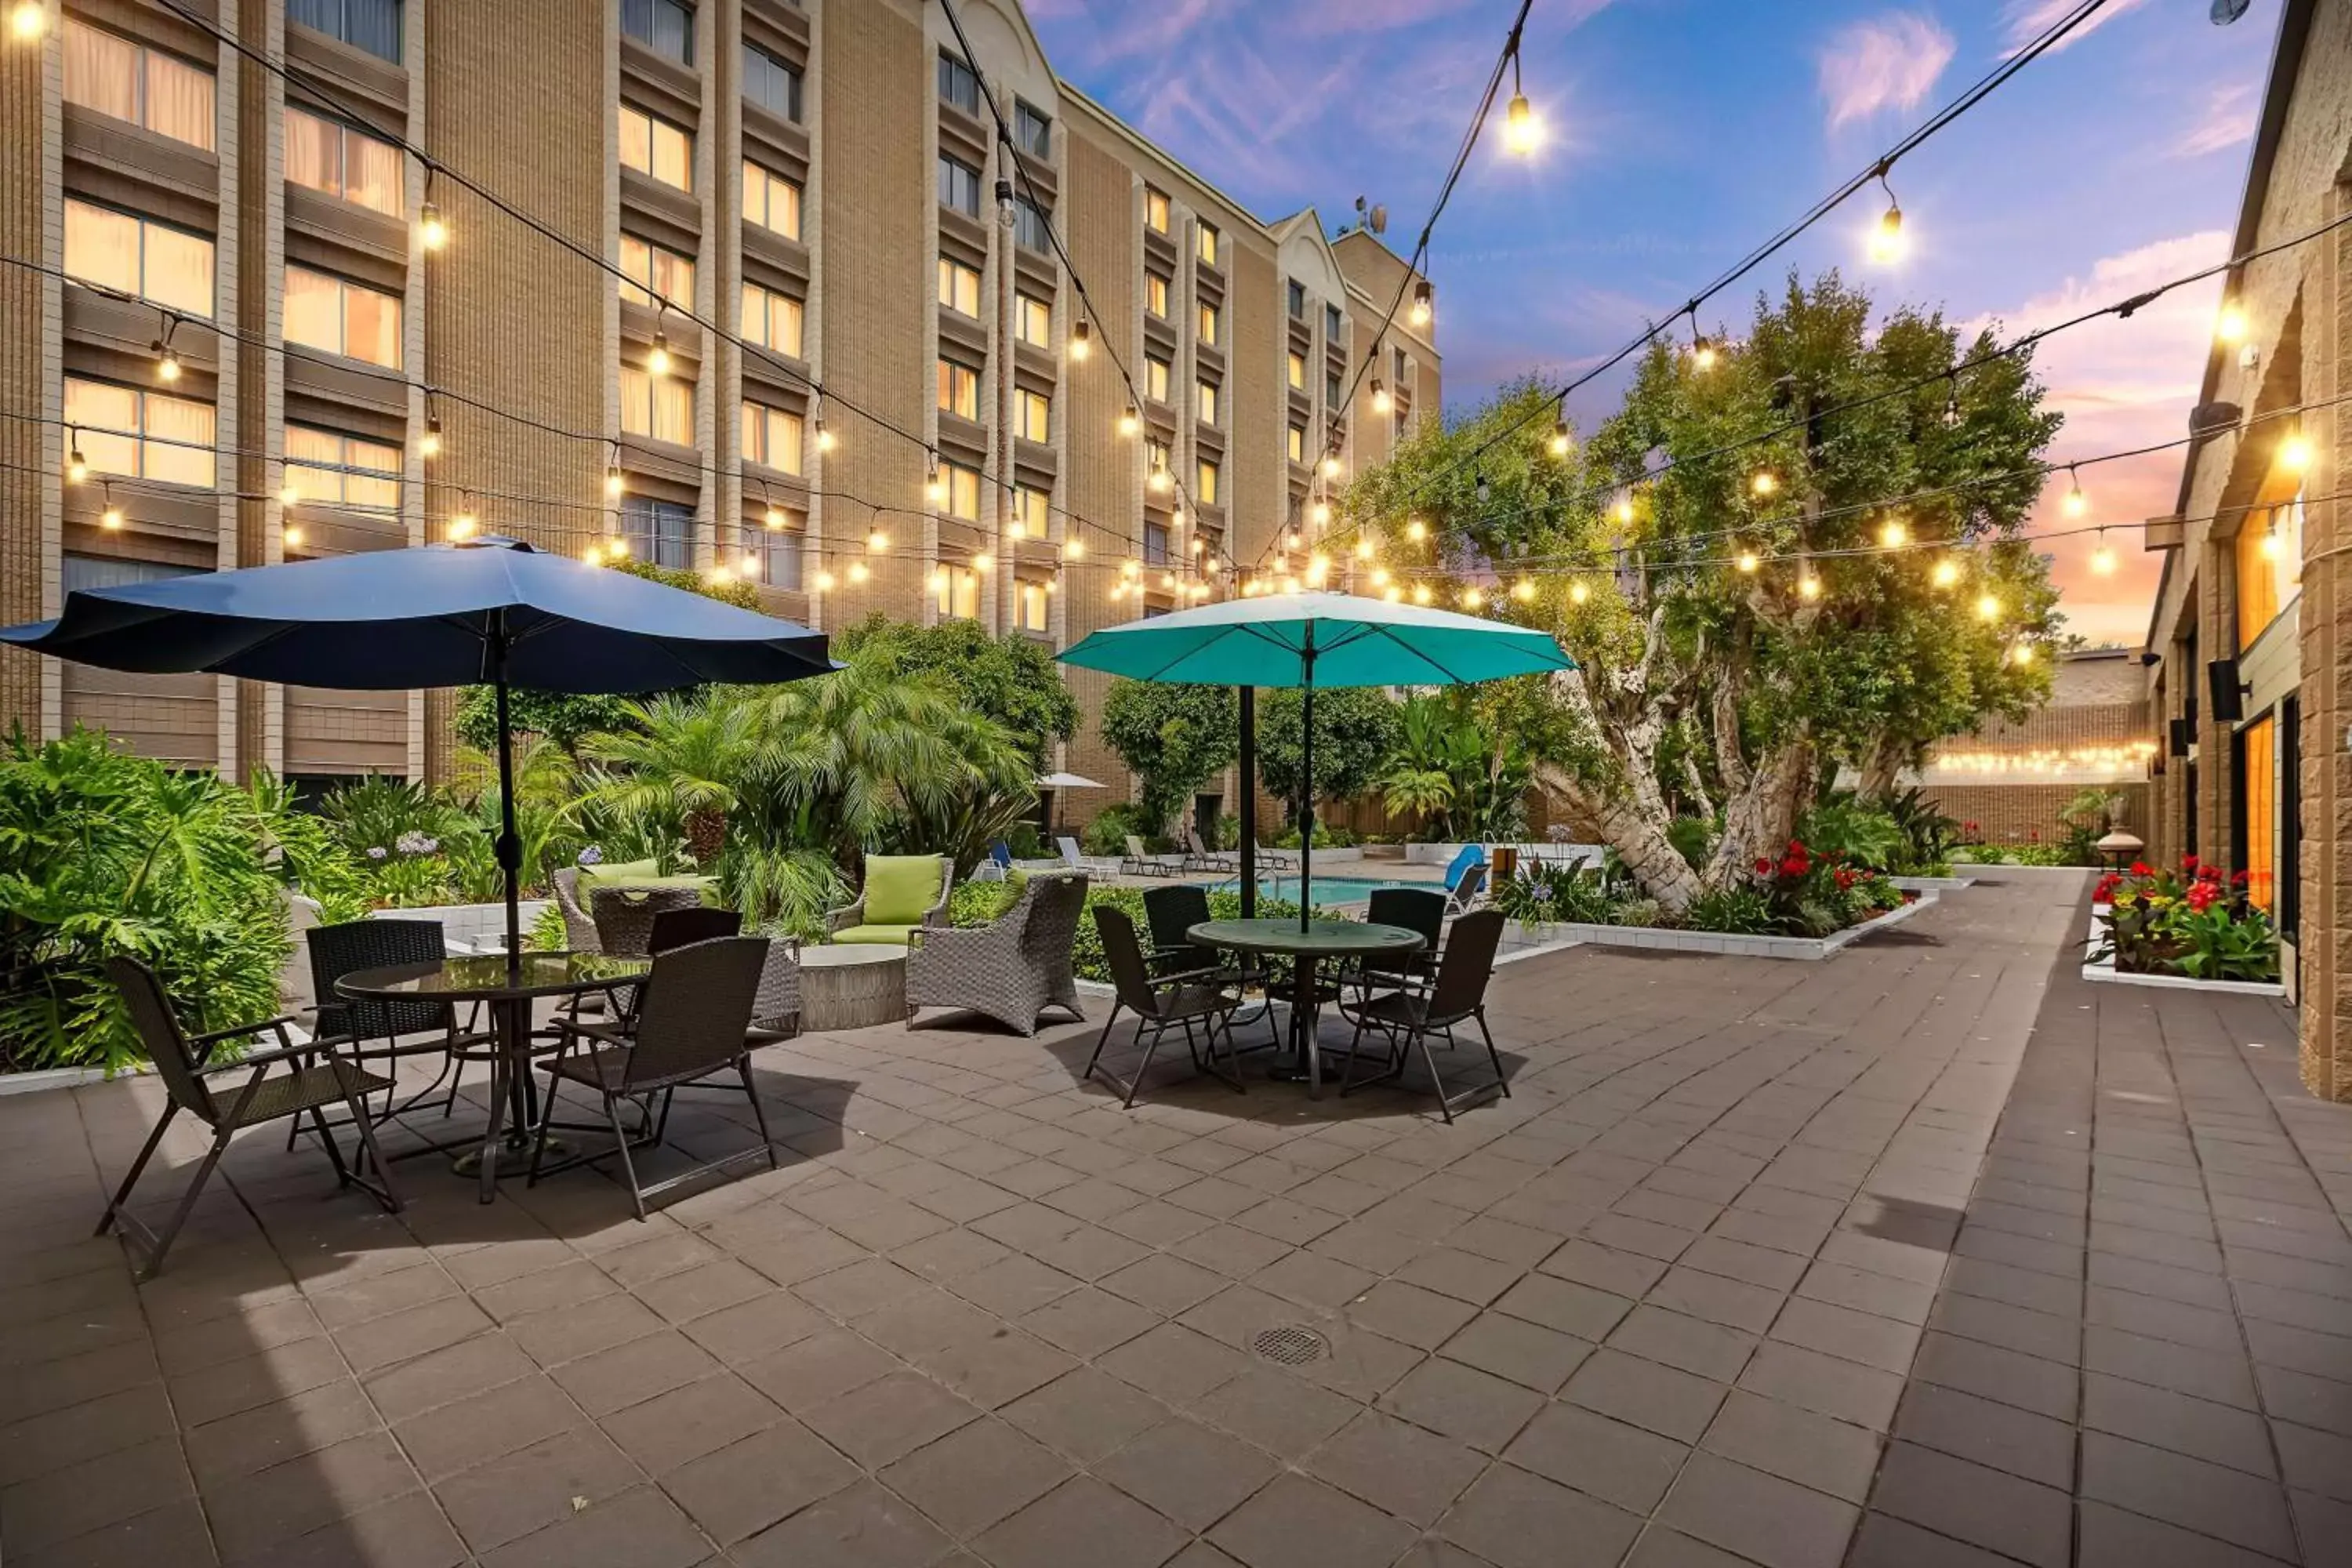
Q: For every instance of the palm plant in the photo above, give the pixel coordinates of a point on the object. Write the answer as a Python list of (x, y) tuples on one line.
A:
[(683, 766)]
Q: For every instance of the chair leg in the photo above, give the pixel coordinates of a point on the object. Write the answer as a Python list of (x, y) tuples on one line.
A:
[(171, 1231), (1429, 1060), (628, 1167), (1142, 1067), (388, 1195), (1348, 1070), (1493, 1055), (1100, 1041), (138, 1166), (758, 1111), (326, 1137)]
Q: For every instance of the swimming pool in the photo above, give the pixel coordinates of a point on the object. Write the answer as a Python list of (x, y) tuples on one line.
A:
[(1332, 892)]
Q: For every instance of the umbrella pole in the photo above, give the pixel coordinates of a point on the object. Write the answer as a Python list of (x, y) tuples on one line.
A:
[(1307, 785), (509, 845), (1249, 802)]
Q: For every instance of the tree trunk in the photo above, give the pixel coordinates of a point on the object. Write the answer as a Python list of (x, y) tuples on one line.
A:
[(706, 836), (1637, 834), (1880, 766), (1760, 819)]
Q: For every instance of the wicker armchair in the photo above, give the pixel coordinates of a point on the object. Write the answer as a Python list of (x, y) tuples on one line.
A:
[(1011, 970), (891, 915), (579, 926), (624, 915)]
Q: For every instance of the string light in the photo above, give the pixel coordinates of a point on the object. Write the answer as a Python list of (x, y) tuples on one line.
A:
[(1473, 600), (1131, 568), (615, 485), (1016, 531), (1394, 595), (1074, 549), (167, 358), (981, 561), (288, 492), (462, 526), (1809, 587), (1197, 545), (1765, 482), (2022, 654), (1331, 464), (1364, 548), (1560, 441), (1484, 490), (658, 359), (294, 538), (1703, 351), (28, 19), (773, 519), (1425, 304), (431, 232), (1420, 593), (1082, 340), (938, 581), (2230, 326), (430, 446), (2294, 452), (1988, 607), (1168, 579), (2273, 546), (1893, 534), (1886, 242), (1579, 592), (824, 582), (593, 555), (1524, 589), (1293, 539), (1625, 507), (1381, 403), (857, 571), (1947, 573), (76, 467), (1522, 132), (2103, 559), (935, 487), (1320, 512), (1952, 399), (1749, 561), (1160, 478), (109, 516), (617, 548), (1319, 570), (1415, 530), (2076, 502), (1379, 576), (1130, 421)]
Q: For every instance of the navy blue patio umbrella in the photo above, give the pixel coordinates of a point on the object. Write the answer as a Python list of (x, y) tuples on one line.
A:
[(491, 611)]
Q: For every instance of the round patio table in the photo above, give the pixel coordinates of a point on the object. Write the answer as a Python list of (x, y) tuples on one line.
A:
[(1320, 940), (507, 986)]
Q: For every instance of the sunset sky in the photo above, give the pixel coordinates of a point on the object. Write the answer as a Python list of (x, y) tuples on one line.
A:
[(1683, 132)]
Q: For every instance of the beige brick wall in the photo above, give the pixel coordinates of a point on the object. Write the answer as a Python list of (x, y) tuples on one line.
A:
[(28, 310)]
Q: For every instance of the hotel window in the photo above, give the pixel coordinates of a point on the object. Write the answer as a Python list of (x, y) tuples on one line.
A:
[(659, 408), (1155, 294), (1206, 490), (1207, 410), (335, 470), (659, 532), (771, 437), (1032, 230), (771, 83), (656, 148), (959, 287), (142, 435), (1298, 443), (958, 594), (1331, 389), (654, 273), (664, 27), (1331, 324), (1397, 360), (332, 313), (2270, 566), (958, 85), (959, 185), (1155, 378), (771, 201), (1155, 543), (370, 24), (1297, 300), (121, 250), (1155, 210), (1033, 130), (1032, 603), (963, 491), (772, 320), (114, 76), (1033, 321), (1033, 415), (780, 550), (1206, 240), (1032, 512), (2257, 824), (1299, 370), (331, 158), (959, 389), (1211, 323)]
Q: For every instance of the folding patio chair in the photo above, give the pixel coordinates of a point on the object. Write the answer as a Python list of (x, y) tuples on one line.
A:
[(1142, 862), (1409, 1017), (1209, 996)]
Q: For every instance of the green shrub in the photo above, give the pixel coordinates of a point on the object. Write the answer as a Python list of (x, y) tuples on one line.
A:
[(1107, 834), (1693, 839), (1860, 836), (980, 903), (1733, 912), (1026, 843)]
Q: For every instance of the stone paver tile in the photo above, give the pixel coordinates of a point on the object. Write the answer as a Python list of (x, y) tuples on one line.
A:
[(1873, 1341), (2225, 1377), (976, 1476), (1984, 1508), (1086, 1414), (669, 1429), (1564, 1305), (2315, 1461), (1082, 1521), (256, 1513), (1396, 1467), (1776, 1523), (633, 1373), (1886, 1541), (697, 1292), (1297, 1522), (2113, 1538), (532, 1488), (1625, 1274), (750, 1484), (2208, 1498), (1285, 1416), (1661, 1399), (1472, 1406), (889, 1417), (1166, 1284), (1693, 1344), (1797, 1445), (1088, 1322), (2001, 1437), (1516, 1519), (641, 1527), (108, 1490), (459, 1436), (1312, 1280), (1466, 1276), (1612, 1461), (2045, 1335), (1716, 1299), (861, 1526), (1173, 1362), (2046, 1387), (1423, 1319), (755, 1328), (1526, 1353), (1191, 1473), (401, 1336), (1905, 1300), (2221, 1434), (409, 1532), (1014, 1285), (555, 1335)]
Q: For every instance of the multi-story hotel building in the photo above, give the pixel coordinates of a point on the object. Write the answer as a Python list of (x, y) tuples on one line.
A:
[(796, 194)]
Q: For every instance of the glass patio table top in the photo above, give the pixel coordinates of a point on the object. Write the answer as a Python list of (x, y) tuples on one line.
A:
[(1320, 939), (492, 977)]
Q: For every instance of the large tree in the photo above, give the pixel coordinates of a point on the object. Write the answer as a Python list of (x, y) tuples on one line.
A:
[(1011, 679), (1355, 732), (1176, 738), (1717, 690)]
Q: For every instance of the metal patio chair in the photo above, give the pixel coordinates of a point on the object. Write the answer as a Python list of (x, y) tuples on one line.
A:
[(280, 1088), (1209, 996), (1408, 1017), (389, 1032)]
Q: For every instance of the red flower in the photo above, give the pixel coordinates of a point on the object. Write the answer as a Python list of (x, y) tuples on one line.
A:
[(1845, 878), (2105, 893), (2202, 896), (2188, 862), (1763, 867), (2142, 868), (2239, 879), (1968, 827), (1794, 866), (2034, 833)]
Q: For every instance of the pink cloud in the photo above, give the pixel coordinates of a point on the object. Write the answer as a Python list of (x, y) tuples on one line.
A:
[(2227, 120), (1885, 62), (2028, 19), (2122, 384)]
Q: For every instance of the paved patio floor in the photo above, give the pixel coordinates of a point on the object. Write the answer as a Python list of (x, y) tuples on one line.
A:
[(1929, 1256)]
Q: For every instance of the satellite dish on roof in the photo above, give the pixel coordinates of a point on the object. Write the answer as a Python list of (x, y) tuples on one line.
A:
[(2225, 12)]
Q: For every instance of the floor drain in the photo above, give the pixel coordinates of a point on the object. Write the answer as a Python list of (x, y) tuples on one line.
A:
[(1290, 1345)]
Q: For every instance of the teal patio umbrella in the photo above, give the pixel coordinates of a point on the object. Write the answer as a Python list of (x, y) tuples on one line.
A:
[(1310, 641)]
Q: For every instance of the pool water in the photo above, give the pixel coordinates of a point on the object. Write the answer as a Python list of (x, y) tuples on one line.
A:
[(1329, 892)]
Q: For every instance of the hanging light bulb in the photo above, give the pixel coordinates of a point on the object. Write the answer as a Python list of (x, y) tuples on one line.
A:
[(1473, 600), (167, 361), (618, 549), (1160, 478), (981, 561), (593, 555), (430, 444), (28, 19), (294, 538), (773, 519), (1293, 539), (1290, 584), (825, 582), (2294, 452), (1198, 544), (1320, 512), (109, 516), (2272, 545), (1420, 593), (1168, 579), (76, 467), (1524, 589), (463, 525), (1764, 482), (1522, 133), (2076, 502), (1415, 530), (1130, 421), (658, 359), (1579, 592), (1331, 464), (1560, 442), (1394, 595), (1952, 400), (1485, 490), (1364, 547), (2230, 326), (1053, 585), (1947, 573), (1703, 353), (1893, 534), (1425, 304), (288, 492), (1082, 339), (1988, 607), (1381, 402), (877, 541), (1886, 242), (1074, 548), (1625, 507), (2103, 559), (1319, 570), (1016, 529), (1131, 568), (935, 487), (2022, 654), (1809, 587), (615, 485), (1749, 561), (1176, 515), (1379, 576), (825, 438), (938, 581), (431, 232)]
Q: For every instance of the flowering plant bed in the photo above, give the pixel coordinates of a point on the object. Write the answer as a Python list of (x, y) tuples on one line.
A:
[(1809, 949), (2196, 924)]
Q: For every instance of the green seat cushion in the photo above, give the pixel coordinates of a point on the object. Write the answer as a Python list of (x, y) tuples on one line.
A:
[(900, 888), (888, 935), (640, 874)]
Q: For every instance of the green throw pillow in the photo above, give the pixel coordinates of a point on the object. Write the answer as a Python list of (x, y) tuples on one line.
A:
[(900, 888)]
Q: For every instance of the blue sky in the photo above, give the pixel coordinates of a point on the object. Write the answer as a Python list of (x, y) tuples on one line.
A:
[(1683, 132)]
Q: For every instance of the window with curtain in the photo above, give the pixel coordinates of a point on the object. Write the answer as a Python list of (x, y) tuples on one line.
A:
[(957, 592), (370, 24), (771, 83), (1297, 363), (771, 200), (1206, 242), (1155, 210), (1331, 324), (772, 320), (1331, 389), (1031, 510), (959, 287), (660, 531), (323, 311), (959, 185), (117, 249), (772, 436), (137, 434), (329, 156), (331, 469), (118, 77), (1211, 323), (1155, 294), (1156, 371), (654, 273), (958, 85), (963, 491), (959, 389), (654, 147), (1208, 402), (1033, 415), (1155, 543), (664, 27), (88, 572), (778, 549), (1033, 321), (2258, 810), (1208, 487), (1033, 129), (1298, 443), (1030, 229), (659, 408), (1032, 601), (2270, 566)]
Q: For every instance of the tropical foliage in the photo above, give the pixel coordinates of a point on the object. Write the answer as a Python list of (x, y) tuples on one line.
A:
[(1356, 731), (1465, 777), (2197, 923), (1009, 678), (1176, 738)]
